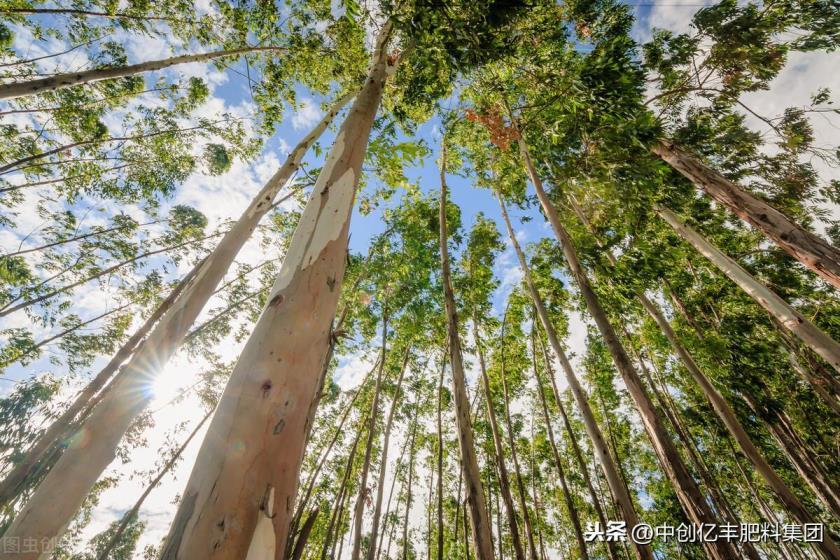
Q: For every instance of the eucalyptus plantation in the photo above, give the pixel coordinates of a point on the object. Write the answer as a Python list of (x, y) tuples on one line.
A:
[(392, 280)]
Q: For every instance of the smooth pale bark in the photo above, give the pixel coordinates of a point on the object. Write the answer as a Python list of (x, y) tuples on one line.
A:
[(373, 415), (61, 493), (59, 427), (561, 473), (806, 247), (617, 485), (791, 319), (498, 448), (474, 489), (576, 451), (238, 501), (59, 81), (689, 494), (135, 509)]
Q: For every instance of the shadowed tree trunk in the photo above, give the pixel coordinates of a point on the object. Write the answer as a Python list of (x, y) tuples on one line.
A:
[(684, 485), (475, 493), (59, 81), (806, 247), (791, 319), (411, 456), (303, 536)]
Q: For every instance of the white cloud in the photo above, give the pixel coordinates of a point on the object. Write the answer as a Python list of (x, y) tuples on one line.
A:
[(307, 115)]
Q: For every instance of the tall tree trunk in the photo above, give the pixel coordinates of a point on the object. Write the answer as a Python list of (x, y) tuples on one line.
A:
[(383, 461), (798, 455), (361, 498), (806, 247), (440, 460), (303, 536), (59, 81), (498, 447), (55, 432), (520, 487), (735, 428), (686, 488), (570, 504), (135, 509), (238, 504), (411, 456), (45, 516), (475, 492), (669, 408), (599, 445), (791, 319), (576, 451), (339, 502)]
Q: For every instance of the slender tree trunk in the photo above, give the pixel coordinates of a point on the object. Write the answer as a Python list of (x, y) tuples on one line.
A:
[(56, 431), (335, 516), (135, 509), (383, 461), (59, 81), (385, 527), (475, 493), (303, 537), (45, 516), (237, 505), (576, 451), (440, 460), (361, 498), (520, 487), (599, 445), (498, 448), (34, 349), (411, 455), (791, 319), (570, 504), (686, 488), (9, 308), (735, 428), (806, 247), (799, 456)]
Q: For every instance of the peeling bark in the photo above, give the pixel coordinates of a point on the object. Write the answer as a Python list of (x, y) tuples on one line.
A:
[(45, 516), (258, 434), (806, 247)]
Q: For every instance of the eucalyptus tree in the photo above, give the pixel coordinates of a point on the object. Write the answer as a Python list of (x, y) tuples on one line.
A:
[(124, 401)]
